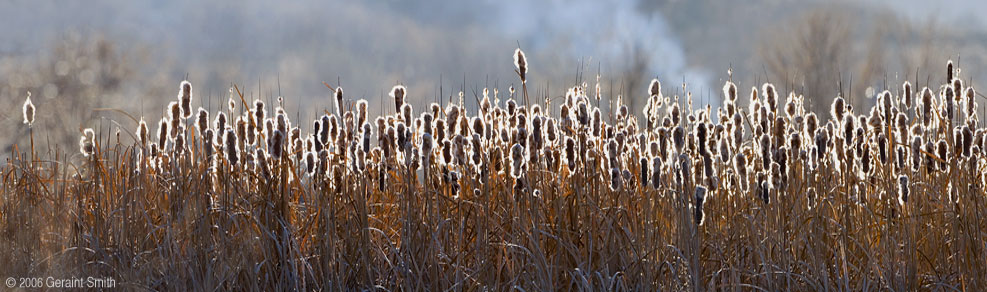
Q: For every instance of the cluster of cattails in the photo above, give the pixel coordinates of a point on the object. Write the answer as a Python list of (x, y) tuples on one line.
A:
[(765, 149)]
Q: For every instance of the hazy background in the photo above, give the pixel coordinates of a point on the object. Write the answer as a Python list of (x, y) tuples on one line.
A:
[(79, 58)]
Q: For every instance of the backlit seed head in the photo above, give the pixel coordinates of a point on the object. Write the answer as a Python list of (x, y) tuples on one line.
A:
[(521, 64), (87, 142), (700, 199), (397, 92), (28, 110), (185, 96), (730, 91), (903, 190)]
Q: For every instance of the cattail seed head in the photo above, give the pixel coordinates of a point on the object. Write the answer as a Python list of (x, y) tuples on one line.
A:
[(771, 97), (521, 64), (838, 108), (926, 107), (87, 142), (517, 160), (185, 96), (28, 111), (949, 71), (397, 92), (142, 132), (700, 199), (903, 190), (730, 91)]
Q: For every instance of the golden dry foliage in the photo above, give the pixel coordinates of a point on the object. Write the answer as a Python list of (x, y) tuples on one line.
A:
[(513, 195)]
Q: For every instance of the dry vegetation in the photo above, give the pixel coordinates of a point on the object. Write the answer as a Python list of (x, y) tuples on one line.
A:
[(526, 193)]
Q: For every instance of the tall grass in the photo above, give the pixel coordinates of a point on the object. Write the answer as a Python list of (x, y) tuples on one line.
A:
[(509, 195)]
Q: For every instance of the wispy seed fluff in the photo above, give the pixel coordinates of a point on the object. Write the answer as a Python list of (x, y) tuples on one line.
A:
[(903, 189), (185, 96), (86, 146), (28, 110), (521, 64), (700, 200)]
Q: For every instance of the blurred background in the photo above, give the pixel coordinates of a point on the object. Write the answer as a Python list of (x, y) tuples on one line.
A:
[(83, 60)]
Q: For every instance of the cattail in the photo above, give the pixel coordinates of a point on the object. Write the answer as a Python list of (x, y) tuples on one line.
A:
[(310, 163), (838, 108), (967, 143), (277, 144), (948, 103), (366, 138), (740, 166), (220, 123), (970, 102), (678, 138), (163, 132), (180, 143), (202, 121), (949, 71), (232, 153), (517, 160), (685, 169), (730, 91), (916, 158), (615, 179), (185, 95), (259, 113), (700, 199), (926, 107), (175, 117), (656, 164), (142, 132), (942, 151), (771, 97), (903, 189), (86, 143), (361, 111), (28, 111), (521, 64), (407, 111), (207, 138)]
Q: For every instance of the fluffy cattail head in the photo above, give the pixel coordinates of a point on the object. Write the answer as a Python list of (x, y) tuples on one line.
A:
[(654, 89), (142, 132), (521, 64), (949, 71), (398, 92), (87, 142), (28, 110), (163, 132), (730, 91), (202, 121), (517, 160), (700, 200), (926, 107), (185, 96), (771, 97), (838, 108)]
